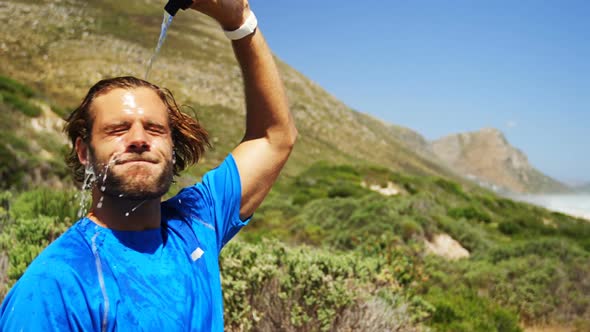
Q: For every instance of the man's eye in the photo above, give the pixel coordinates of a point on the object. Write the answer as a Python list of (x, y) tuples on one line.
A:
[(156, 130), (116, 131)]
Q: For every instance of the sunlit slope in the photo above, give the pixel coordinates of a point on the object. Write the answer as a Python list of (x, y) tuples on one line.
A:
[(62, 48), (31, 147)]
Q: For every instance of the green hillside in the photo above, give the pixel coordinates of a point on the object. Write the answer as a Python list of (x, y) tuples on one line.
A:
[(326, 252), (73, 44), (31, 149)]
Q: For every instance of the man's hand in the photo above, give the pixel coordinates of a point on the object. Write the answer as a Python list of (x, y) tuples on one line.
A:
[(230, 14)]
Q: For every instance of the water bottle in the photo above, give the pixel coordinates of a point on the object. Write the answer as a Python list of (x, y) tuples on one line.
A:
[(173, 6)]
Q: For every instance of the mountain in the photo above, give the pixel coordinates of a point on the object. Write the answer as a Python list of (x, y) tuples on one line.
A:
[(487, 157), (414, 141), (61, 48)]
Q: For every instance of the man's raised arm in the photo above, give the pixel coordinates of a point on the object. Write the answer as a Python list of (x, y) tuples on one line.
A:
[(270, 129)]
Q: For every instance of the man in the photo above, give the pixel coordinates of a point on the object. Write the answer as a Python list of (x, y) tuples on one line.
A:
[(134, 262)]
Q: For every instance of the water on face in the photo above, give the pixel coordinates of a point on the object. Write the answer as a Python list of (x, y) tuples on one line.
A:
[(103, 186), (90, 179), (165, 24)]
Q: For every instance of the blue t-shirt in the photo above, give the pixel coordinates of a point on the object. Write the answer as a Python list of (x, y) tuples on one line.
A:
[(97, 279)]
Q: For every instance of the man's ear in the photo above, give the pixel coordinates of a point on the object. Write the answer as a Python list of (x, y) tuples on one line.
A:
[(82, 151)]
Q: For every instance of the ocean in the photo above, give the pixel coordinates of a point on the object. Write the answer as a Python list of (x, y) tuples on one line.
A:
[(576, 205)]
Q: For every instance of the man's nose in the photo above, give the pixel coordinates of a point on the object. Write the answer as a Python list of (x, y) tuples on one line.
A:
[(138, 140)]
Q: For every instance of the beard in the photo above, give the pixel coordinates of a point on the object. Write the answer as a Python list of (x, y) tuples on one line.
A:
[(137, 182)]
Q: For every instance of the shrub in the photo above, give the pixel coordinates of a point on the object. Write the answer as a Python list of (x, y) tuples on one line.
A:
[(487, 199), (472, 237), (461, 309), (322, 180), (61, 111), (542, 282), (526, 224), (12, 174), (408, 229), (541, 247), (345, 190), (451, 188), (20, 104), (470, 213), (9, 85), (576, 229), (47, 202), (271, 287), (507, 205), (32, 221), (25, 239), (308, 289), (509, 228)]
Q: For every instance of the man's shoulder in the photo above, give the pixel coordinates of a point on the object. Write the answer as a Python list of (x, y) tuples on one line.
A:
[(68, 254), (202, 194), (54, 291), (186, 202)]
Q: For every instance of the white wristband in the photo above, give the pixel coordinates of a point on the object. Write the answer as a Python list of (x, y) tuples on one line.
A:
[(246, 29)]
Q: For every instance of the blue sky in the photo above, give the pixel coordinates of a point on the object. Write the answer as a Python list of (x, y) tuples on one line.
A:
[(442, 67)]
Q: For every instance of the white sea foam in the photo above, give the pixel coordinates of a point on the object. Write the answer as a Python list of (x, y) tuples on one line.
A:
[(575, 205)]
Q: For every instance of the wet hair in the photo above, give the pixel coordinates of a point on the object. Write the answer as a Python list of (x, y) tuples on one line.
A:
[(189, 138)]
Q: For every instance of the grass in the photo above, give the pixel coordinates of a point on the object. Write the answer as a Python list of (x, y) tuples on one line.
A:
[(20, 104), (8, 84), (21, 145), (17, 96)]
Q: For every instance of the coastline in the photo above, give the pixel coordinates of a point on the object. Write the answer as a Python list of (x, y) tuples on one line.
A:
[(575, 205)]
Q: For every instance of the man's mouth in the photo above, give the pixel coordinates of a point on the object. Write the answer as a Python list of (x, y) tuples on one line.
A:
[(136, 161)]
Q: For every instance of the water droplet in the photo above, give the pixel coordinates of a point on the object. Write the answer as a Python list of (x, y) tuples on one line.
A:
[(120, 195), (89, 180), (104, 175), (179, 201), (135, 208), (138, 205)]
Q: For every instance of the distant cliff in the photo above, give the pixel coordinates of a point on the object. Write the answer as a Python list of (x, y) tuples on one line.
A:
[(486, 156)]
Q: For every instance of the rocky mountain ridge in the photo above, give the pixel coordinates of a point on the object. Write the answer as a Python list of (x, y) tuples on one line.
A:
[(486, 156)]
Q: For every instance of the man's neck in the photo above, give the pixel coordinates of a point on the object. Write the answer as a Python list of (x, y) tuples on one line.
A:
[(123, 214)]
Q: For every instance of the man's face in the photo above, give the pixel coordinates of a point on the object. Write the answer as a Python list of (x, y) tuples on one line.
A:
[(131, 144)]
